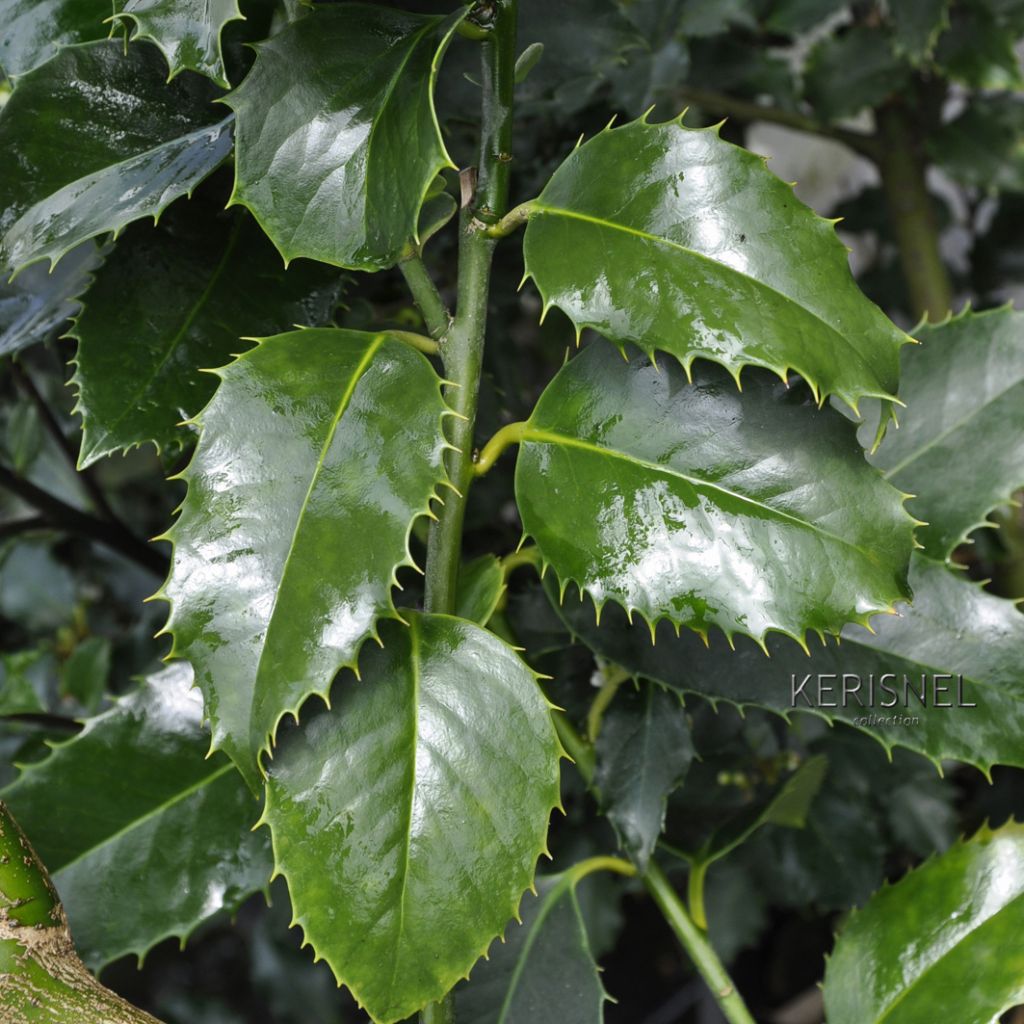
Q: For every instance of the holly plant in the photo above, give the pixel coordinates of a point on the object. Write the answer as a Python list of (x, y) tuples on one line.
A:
[(470, 707)]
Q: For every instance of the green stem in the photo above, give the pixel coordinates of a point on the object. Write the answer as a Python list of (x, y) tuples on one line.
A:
[(692, 938), (902, 165), (512, 221), (510, 434), (614, 677), (530, 555), (463, 343), (417, 341), (695, 894), (426, 296), (696, 944)]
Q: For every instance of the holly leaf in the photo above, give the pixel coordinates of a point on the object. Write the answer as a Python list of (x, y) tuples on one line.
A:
[(982, 146), (154, 848), (926, 638), (849, 72), (300, 454), (34, 30), (411, 854), (917, 25), (23, 679), (40, 301), (643, 750), (338, 141), (940, 944), (686, 243), (139, 144), (481, 586), (187, 33), (964, 422), (198, 282), (749, 511), (545, 969)]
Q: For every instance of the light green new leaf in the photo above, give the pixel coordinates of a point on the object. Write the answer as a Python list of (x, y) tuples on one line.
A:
[(749, 511), (23, 679), (34, 30), (338, 141), (953, 627), (943, 943), (681, 241), (139, 144), (643, 751), (408, 820), (317, 454), (198, 282), (144, 836), (186, 31), (544, 970), (481, 586), (40, 301), (960, 446)]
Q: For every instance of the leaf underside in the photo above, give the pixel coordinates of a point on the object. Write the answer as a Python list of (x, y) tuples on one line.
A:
[(139, 144), (408, 820), (154, 848), (338, 142), (960, 446), (187, 32), (710, 256), (38, 302), (750, 511), (929, 636), (943, 943), (198, 282), (301, 497)]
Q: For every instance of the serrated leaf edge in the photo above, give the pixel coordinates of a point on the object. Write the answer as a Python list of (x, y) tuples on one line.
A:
[(734, 368), (454, 976)]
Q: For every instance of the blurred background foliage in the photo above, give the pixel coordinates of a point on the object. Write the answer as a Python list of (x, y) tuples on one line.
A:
[(883, 113)]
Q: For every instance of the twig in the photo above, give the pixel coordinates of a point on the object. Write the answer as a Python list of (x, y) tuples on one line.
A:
[(67, 517)]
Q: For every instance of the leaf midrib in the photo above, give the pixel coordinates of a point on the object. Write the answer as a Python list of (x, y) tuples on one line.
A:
[(343, 403), (721, 267), (553, 437), (179, 336), (149, 815)]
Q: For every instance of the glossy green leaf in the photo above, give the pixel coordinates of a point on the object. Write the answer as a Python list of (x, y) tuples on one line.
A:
[(481, 586), (338, 142), (796, 16), (943, 943), (408, 820), (953, 627), (686, 243), (749, 511), (34, 30), (960, 446), (144, 836), (917, 25), (979, 49), (139, 144), (186, 31), (982, 147), (39, 301), (850, 72), (302, 461), (544, 970), (198, 283), (643, 752)]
